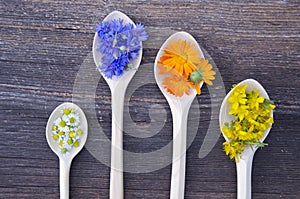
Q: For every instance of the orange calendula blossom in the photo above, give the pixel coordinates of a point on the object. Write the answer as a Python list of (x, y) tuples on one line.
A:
[(184, 67), (207, 73), (180, 56), (176, 85)]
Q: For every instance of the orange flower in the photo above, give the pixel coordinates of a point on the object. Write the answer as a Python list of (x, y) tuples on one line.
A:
[(176, 84), (185, 68), (182, 56), (196, 86), (163, 69), (207, 72)]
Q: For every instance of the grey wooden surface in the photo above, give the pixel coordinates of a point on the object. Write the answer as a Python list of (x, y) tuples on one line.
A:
[(43, 44)]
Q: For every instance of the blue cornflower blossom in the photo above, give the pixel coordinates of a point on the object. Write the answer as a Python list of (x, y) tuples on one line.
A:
[(119, 43), (140, 32), (105, 31), (133, 46), (114, 66)]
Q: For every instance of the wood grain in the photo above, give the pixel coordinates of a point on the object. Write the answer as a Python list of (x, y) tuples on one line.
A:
[(43, 43)]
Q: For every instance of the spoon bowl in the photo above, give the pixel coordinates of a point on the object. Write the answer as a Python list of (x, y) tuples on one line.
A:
[(118, 86), (127, 75), (65, 160), (224, 110), (244, 165), (180, 108), (159, 78)]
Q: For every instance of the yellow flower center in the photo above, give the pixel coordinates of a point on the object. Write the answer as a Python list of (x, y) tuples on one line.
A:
[(62, 123), (72, 119)]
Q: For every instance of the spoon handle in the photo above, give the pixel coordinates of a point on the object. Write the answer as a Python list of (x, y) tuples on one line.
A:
[(243, 168), (116, 170), (64, 172), (179, 153)]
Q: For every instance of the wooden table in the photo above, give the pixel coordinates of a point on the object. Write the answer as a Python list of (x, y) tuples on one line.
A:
[(45, 43)]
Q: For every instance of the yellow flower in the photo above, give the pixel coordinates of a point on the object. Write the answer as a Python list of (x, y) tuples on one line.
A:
[(240, 112), (228, 132), (272, 106), (227, 148), (243, 135), (270, 120), (252, 117), (255, 99), (233, 149), (238, 96)]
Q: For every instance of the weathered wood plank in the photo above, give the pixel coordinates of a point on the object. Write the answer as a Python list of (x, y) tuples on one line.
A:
[(44, 43)]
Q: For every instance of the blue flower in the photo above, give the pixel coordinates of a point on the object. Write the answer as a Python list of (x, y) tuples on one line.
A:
[(115, 67), (119, 43), (105, 47), (140, 32), (133, 46), (117, 25), (104, 30)]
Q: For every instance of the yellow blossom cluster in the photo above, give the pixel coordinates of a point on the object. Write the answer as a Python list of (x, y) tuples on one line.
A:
[(252, 117)]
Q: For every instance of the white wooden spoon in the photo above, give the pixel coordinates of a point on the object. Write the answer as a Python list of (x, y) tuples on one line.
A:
[(180, 108), (65, 160), (244, 166), (118, 86)]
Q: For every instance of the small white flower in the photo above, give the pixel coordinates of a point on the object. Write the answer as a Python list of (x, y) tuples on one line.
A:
[(61, 125), (57, 121), (66, 110), (67, 145), (65, 126), (64, 129), (77, 137), (66, 118), (73, 119)]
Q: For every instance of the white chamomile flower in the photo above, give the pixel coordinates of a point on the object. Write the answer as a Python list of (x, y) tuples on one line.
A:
[(65, 118), (55, 137), (64, 129), (71, 129), (73, 119), (66, 111), (77, 137), (57, 121), (61, 125)]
